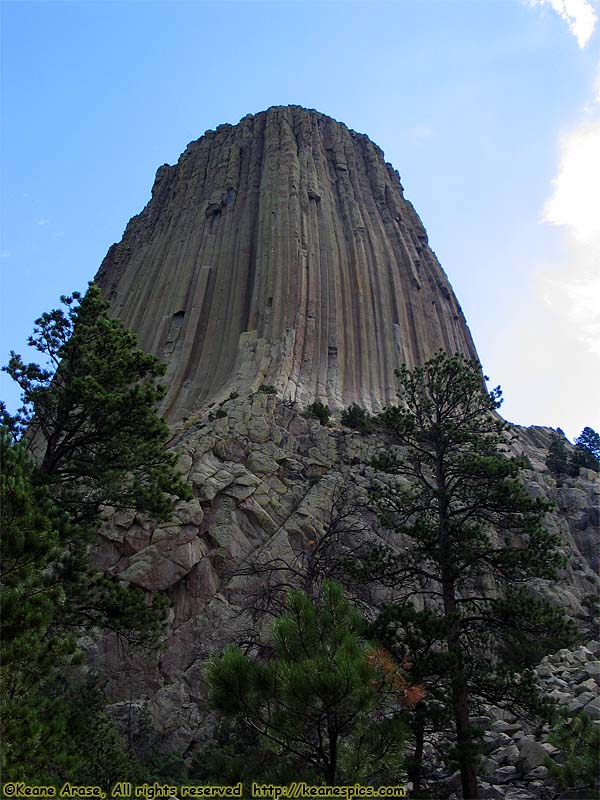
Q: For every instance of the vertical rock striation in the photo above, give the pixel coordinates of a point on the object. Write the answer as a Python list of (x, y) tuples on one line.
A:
[(282, 251)]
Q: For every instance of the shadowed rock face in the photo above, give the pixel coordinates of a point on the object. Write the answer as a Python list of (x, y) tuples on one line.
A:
[(282, 251)]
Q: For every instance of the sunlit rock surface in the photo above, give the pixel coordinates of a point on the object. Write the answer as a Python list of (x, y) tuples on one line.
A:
[(281, 251)]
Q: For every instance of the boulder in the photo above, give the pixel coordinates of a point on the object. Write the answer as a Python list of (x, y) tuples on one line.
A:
[(592, 668), (531, 754), (504, 775), (592, 709)]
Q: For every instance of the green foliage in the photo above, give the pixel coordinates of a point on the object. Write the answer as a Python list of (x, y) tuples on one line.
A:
[(579, 741), (48, 590), (587, 449), (413, 638), (590, 440), (586, 454), (522, 641), (465, 521), (319, 702), (163, 767), (454, 487), (558, 460), (33, 529), (34, 533), (220, 413), (89, 421), (356, 417), (319, 411), (65, 735), (235, 755), (267, 388), (99, 751), (89, 415)]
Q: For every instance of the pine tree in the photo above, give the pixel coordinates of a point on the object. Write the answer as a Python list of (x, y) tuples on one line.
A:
[(60, 732), (578, 739), (87, 435), (33, 533), (90, 416), (587, 449), (48, 592), (327, 703), (558, 461), (469, 541)]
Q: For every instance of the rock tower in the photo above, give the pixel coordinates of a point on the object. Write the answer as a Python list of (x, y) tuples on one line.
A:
[(281, 251)]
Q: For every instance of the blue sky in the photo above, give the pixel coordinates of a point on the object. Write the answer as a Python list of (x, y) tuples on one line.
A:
[(489, 110)]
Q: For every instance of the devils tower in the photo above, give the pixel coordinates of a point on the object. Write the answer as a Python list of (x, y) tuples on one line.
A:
[(281, 251), (277, 263)]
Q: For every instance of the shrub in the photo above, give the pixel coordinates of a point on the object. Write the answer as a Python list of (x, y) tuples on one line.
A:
[(268, 388), (356, 417), (319, 411)]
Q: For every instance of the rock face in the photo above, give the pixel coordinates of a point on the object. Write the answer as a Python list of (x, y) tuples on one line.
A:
[(264, 479), (281, 251)]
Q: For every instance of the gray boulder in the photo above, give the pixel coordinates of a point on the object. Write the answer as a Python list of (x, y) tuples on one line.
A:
[(504, 775), (531, 754)]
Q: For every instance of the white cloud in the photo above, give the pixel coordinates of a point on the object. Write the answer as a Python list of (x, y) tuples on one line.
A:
[(551, 349), (575, 205), (549, 376), (575, 202), (548, 356), (574, 297), (578, 14)]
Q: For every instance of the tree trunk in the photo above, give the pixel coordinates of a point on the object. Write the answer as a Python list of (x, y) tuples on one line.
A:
[(416, 767), (464, 740), (460, 698), (333, 737)]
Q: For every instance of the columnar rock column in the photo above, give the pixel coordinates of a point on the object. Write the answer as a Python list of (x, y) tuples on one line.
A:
[(282, 251)]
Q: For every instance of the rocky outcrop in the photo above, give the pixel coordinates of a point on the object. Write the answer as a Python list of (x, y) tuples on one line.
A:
[(264, 479), (281, 251)]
